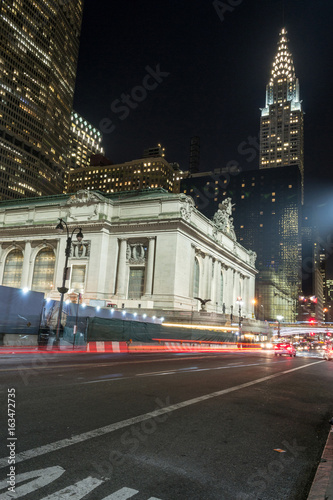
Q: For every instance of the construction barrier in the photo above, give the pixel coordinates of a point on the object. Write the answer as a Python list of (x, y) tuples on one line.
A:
[(107, 346)]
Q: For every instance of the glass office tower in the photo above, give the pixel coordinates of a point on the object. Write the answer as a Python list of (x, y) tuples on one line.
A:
[(39, 45)]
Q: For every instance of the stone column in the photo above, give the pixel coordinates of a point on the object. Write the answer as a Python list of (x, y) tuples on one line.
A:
[(191, 282), (236, 287), (102, 259), (244, 295), (218, 297), (212, 285), (226, 292), (26, 266), (121, 275), (208, 294), (209, 280), (231, 287), (150, 266), (215, 286), (203, 278)]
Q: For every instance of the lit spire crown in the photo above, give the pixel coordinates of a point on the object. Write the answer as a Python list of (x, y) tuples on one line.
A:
[(283, 65)]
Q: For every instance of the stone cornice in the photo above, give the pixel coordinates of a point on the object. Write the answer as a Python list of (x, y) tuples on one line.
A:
[(203, 240)]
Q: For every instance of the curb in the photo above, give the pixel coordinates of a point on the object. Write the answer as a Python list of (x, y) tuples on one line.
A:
[(322, 486)]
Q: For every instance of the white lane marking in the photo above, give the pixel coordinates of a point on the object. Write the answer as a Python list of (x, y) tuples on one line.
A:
[(41, 478), (77, 490), (104, 380), (165, 373), (190, 369), (122, 494), (153, 373), (64, 443)]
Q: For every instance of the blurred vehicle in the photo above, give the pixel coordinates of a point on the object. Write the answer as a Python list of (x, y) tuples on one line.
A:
[(266, 345), (317, 346), (284, 348), (303, 346), (328, 352)]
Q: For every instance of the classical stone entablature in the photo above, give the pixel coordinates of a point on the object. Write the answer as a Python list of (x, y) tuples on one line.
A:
[(148, 249)]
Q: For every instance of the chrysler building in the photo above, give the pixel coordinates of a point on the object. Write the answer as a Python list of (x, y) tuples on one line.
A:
[(281, 126)]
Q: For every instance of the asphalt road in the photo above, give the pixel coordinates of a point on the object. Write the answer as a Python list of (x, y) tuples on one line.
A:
[(162, 427)]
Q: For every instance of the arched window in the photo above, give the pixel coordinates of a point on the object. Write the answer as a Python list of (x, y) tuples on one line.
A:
[(42, 280), (196, 278), (13, 269)]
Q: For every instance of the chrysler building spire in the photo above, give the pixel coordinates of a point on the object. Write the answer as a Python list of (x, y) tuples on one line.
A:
[(283, 65), (281, 126)]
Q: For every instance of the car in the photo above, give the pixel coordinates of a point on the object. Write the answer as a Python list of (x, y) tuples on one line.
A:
[(266, 345), (284, 348), (328, 353)]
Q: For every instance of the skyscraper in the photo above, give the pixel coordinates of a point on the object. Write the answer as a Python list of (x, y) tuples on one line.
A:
[(266, 217), (39, 44), (281, 125), (84, 141)]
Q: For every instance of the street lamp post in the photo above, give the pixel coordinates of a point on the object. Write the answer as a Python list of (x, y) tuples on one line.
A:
[(239, 302), (63, 289), (279, 319)]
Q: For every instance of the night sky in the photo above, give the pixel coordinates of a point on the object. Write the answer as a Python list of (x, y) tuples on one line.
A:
[(215, 59)]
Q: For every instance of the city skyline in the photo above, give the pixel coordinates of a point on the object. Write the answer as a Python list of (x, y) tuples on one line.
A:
[(210, 85)]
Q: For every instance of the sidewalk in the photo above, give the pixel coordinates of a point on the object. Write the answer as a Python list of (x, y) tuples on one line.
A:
[(322, 486)]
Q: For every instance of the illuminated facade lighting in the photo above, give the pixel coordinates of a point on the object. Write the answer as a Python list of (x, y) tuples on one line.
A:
[(84, 141)]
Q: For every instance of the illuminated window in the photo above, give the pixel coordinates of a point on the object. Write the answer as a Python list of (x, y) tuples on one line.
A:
[(13, 269), (78, 278), (136, 282), (43, 271)]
